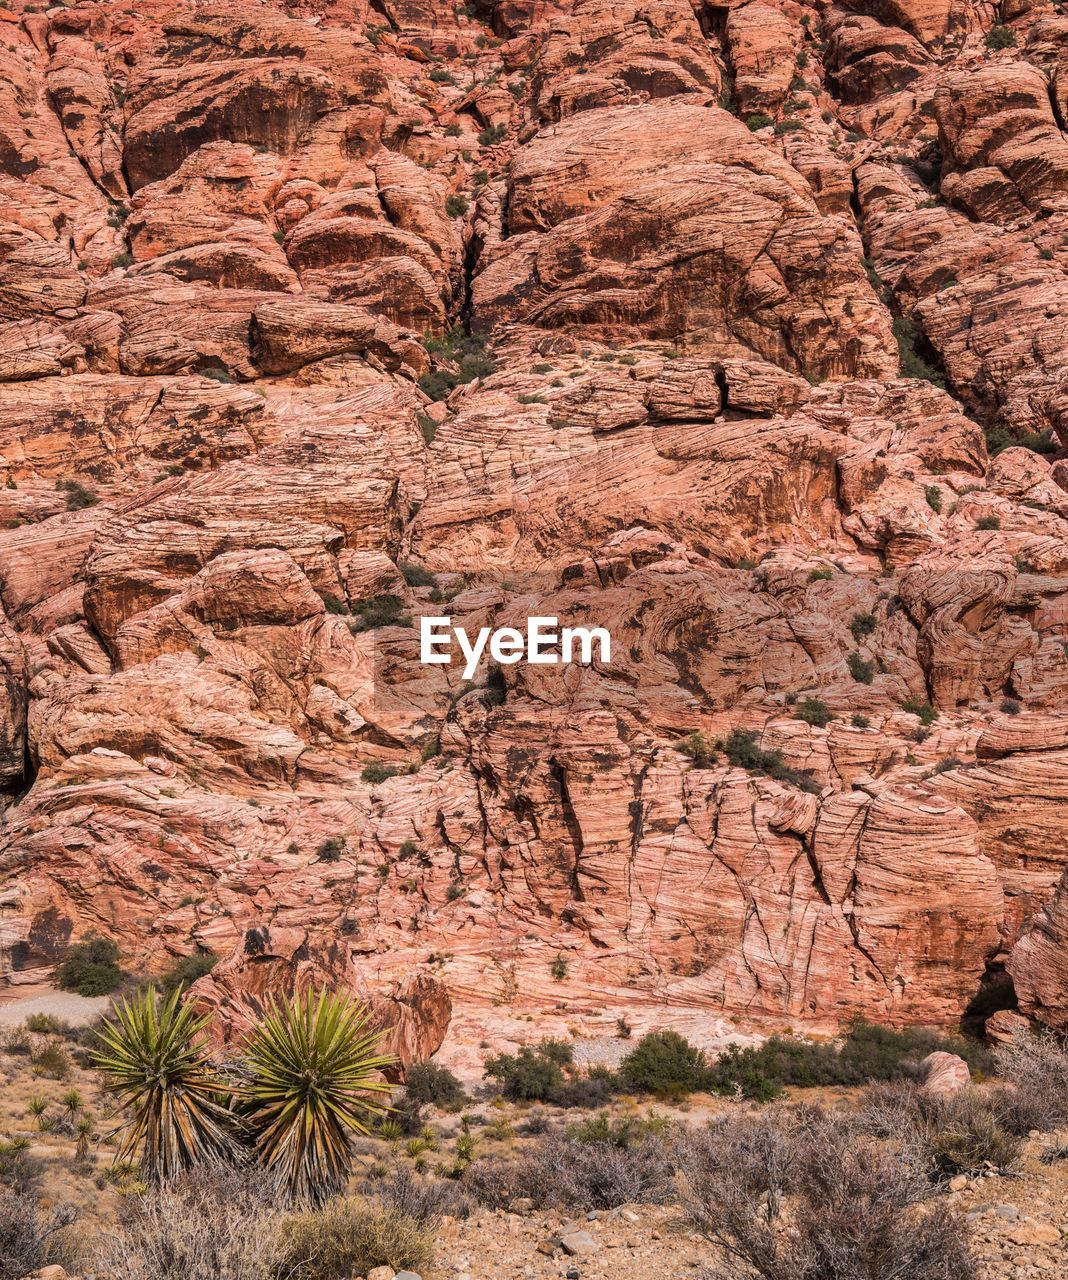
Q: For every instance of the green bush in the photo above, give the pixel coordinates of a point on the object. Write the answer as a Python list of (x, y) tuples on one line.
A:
[(698, 748), (78, 496), (738, 1072), (532, 1074), (821, 575), (988, 522), (867, 1053), (376, 772), (456, 206), (933, 494), (861, 671), (333, 847), (664, 1064), (1000, 37), (380, 611), (350, 1237), (1000, 438), (742, 751), (619, 1131), (815, 712), (910, 341), (47, 1024), (914, 706), (434, 1085), (467, 359), (758, 120), (863, 624), (187, 970), (91, 968), (493, 133), (416, 575)]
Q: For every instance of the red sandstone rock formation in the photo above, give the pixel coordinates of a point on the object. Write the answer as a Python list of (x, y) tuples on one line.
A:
[(773, 300)]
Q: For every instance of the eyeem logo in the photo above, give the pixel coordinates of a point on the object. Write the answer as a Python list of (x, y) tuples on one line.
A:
[(545, 643)]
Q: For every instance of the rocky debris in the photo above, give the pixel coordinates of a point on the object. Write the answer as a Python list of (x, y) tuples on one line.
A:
[(1005, 1026), (944, 1073)]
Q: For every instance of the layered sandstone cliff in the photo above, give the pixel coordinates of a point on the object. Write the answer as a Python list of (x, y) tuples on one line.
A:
[(774, 304)]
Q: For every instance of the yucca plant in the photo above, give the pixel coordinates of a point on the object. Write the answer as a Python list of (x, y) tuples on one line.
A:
[(154, 1063), (85, 1132), (72, 1103), (311, 1085)]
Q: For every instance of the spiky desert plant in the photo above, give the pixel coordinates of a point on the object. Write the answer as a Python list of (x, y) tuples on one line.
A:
[(72, 1103), (312, 1083), (154, 1063), (85, 1132)]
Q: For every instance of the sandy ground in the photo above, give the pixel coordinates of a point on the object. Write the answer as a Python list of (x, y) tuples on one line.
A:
[(77, 1010)]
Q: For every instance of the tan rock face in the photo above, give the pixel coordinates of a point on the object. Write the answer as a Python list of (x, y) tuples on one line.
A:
[(736, 330)]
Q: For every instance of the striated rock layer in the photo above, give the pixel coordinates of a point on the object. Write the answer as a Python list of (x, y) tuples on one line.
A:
[(737, 329)]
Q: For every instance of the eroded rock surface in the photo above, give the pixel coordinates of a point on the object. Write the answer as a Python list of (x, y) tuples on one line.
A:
[(738, 330)]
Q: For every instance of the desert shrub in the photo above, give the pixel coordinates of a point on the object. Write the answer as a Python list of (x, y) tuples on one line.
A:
[(919, 707), (416, 575), (872, 1052), (492, 133), (964, 1133), (863, 624), (349, 1237), (912, 346), (814, 711), (1010, 707), (184, 972), (17, 1042), (91, 968), (30, 1236), (466, 357), (435, 1085), (739, 1072), (587, 1092), (853, 1208), (331, 849), (380, 611), (51, 1060), (933, 494), (665, 1064), (494, 1183), (456, 206), (210, 1224), (423, 1200), (20, 1170), (619, 1131), (999, 438), (945, 1134), (1000, 37), (576, 1175), (861, 670), (867, 1052), (1037, 1066), (805, 1063), (47, 1024), (742, 750), (374, 773), (532, 1074), (987, 523), (698, 748), (758, 120)]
